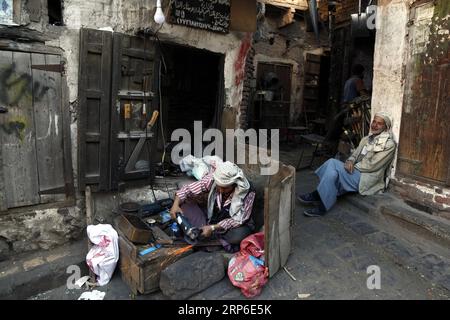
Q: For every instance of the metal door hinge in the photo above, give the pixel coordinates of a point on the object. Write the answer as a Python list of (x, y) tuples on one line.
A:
[(60, 68)]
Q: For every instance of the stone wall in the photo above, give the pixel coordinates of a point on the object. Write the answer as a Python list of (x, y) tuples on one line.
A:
[(31, 230), (248, 89), (430, 198), (288, 45)]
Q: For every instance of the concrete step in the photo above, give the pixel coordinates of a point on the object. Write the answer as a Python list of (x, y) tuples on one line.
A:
[(29, 274), (391, 209), (437, 227), (413, 239)]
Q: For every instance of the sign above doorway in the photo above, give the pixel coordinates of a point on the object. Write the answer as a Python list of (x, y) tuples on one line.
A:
[(203, 14)]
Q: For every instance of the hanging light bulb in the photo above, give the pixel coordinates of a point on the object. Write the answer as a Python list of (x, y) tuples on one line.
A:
[(159, 15)]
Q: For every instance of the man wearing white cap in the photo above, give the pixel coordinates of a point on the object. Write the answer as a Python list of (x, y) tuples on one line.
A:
[(220, 204), (366, 171)]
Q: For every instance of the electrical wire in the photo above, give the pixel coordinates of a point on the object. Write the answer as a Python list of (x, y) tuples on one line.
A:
[(144, 103), (162, 128), (161, 121), (162, 63)]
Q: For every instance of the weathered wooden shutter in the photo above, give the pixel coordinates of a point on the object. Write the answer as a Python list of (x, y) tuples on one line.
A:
[(18, 147), (424, 151), (50, 132), (135, 83), (94, 107), (35, 157)]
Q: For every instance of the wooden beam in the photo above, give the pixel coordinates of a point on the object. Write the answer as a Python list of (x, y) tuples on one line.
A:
[(295, 4), (287, 18), (17, 33), (11, 45)]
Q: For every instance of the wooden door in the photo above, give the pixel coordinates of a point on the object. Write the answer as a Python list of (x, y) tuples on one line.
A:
[(95, 109), (424, 151), (135, 97), (33, 165), (117, 79)]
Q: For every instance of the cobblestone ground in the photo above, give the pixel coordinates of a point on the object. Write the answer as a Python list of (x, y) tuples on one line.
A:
[(329, 260)]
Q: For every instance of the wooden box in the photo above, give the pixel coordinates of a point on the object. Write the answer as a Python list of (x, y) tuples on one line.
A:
[(142, 273), (134, 229)]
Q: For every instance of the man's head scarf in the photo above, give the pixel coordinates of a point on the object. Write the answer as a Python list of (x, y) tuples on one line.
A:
[(387, 119), (228, 174)]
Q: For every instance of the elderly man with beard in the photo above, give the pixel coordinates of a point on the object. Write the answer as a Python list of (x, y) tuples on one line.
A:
[(366, 171), (220, 204)]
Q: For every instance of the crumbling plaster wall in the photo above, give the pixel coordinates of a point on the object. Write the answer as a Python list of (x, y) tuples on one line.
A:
[(30, 229), (390, 59)]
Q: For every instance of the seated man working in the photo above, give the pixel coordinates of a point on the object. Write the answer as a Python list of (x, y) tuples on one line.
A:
[(220, 204), (365, 171)]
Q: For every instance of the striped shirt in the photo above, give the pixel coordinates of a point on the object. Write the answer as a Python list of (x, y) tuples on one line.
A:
[(204, 186)]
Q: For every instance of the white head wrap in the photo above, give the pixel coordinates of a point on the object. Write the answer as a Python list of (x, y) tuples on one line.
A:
[(227, 174), (387, 119)]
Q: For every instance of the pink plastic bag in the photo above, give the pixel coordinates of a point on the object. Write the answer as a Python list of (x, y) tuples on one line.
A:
[(245, 270), (104, 254)]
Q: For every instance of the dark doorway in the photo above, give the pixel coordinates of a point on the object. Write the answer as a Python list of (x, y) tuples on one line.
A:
[(273, 96), (55, 16), (189, 88)]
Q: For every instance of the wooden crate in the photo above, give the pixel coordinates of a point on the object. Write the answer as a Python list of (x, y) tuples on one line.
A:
[(142, 273), (134, 229)]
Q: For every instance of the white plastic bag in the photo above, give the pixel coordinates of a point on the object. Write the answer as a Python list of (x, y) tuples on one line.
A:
[(94, 295), (103, 256), (199, 167)]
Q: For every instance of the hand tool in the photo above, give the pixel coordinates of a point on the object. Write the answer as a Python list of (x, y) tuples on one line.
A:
[(137, 150)]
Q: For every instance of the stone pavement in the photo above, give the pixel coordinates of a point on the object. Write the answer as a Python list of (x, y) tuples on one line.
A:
[(329, 260), (28, 274)]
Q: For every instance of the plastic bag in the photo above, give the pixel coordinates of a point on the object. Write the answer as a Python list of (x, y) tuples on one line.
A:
[(246, 270), (103, 256), (199, 167), (253, 244)]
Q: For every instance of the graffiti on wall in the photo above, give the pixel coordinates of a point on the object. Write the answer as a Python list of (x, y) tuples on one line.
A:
[(16, 127), (15, 86)]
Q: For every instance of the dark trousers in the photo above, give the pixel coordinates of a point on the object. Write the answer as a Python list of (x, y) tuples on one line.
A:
[(197, 216)]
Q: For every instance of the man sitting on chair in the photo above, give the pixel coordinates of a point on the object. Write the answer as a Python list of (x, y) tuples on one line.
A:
[(366, 171)]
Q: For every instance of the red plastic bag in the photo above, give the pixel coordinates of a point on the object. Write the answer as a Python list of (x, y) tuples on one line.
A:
[(253, 244), (245, 270)]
